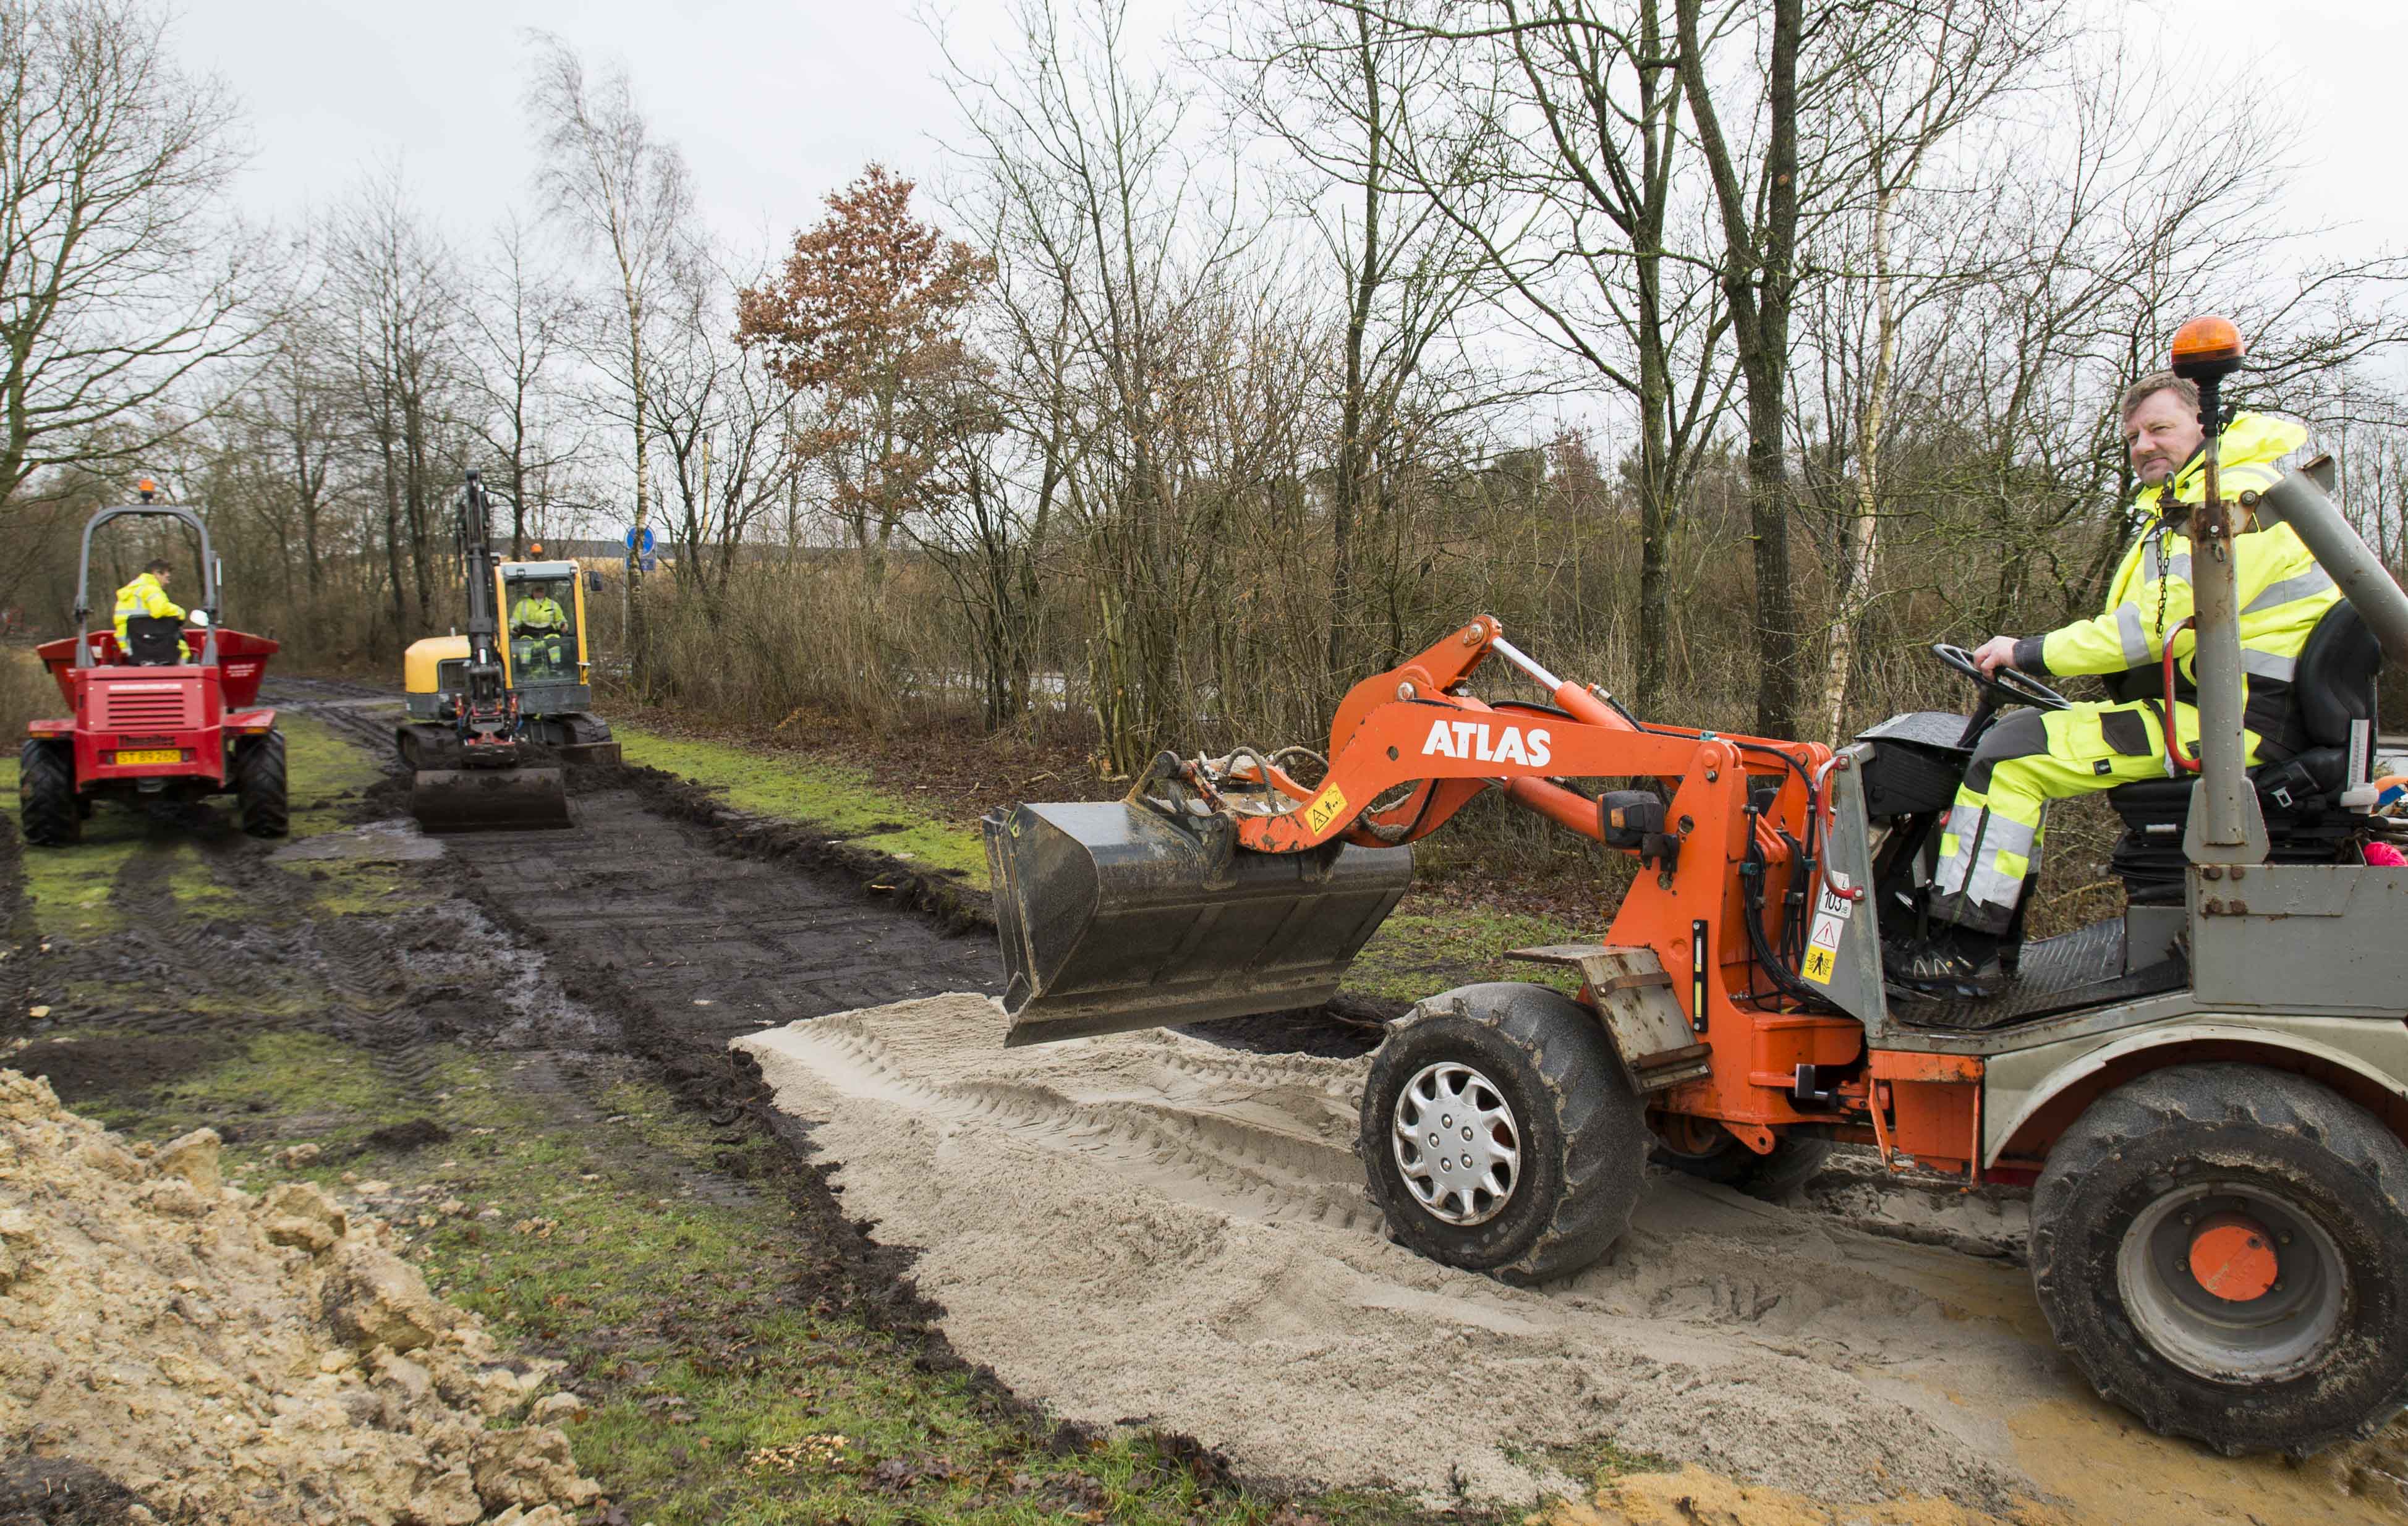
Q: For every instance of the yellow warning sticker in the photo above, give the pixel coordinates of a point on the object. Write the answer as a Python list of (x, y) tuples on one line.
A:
[(1819, 965), (1327, 806)]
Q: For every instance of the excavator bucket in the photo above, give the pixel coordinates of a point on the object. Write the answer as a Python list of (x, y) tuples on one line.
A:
[(489, 799), (1113, 918)]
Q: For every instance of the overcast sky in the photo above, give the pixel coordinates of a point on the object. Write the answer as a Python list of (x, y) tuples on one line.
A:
[(774, 104)]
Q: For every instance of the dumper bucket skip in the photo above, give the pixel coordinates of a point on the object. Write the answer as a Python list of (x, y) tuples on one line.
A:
[(1112, 917)]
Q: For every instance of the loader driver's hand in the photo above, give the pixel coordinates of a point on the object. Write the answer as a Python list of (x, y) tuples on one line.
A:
[(1994, 654)]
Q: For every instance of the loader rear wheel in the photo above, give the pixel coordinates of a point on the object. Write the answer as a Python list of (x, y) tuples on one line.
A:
[(259, 784), (2223, 1249), (1717, 1156), (46, 792), (1500, 1135)]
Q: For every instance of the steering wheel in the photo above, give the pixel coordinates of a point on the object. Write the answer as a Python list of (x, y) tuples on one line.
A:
[(2011, 684)]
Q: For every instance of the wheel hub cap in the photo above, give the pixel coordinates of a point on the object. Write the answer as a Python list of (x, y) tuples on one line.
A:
[(1457, 1143), (2231, 1282), (2232, 1256)]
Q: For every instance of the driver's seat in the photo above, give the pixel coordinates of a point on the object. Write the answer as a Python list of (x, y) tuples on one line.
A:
[(2299, 796), (153, 640)]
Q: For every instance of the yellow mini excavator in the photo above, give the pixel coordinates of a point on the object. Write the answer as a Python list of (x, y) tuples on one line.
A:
[(481, 702)]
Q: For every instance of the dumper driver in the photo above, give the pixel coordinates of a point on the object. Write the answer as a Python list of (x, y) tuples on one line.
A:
[(148, 595), (1990, 844), (538, 623)]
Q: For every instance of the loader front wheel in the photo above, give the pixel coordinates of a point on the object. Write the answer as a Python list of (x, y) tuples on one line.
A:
[(46, 793), (2223, 1249), (259, 785), (1499, 1133)]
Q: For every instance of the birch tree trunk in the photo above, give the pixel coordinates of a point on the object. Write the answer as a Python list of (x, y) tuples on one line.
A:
[(1863, 543)]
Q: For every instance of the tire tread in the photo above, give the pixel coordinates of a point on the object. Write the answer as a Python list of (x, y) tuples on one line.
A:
[(46, 787)]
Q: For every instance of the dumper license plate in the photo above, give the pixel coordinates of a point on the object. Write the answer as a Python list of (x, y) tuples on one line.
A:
[(149, 755)]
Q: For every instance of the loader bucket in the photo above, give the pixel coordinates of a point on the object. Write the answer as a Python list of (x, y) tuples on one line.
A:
[(489, 799), (1113, 918)]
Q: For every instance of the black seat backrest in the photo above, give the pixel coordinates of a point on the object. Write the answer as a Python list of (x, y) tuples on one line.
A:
[(150, 640), (2334, 683)]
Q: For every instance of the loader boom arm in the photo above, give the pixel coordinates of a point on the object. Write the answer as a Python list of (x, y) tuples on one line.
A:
[(1417, 724)]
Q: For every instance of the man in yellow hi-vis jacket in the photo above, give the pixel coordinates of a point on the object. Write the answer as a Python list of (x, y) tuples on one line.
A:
[(148, 595), (539, 623), (1989, 846)]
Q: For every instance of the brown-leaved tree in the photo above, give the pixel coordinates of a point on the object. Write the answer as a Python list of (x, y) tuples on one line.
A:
[(866, 320)]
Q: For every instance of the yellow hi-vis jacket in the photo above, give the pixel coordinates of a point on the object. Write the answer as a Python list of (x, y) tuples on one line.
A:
[(144, 596), (2281, 591), (533, 614)]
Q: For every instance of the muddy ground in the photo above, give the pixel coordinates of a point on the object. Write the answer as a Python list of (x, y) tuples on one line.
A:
[(560, 979)]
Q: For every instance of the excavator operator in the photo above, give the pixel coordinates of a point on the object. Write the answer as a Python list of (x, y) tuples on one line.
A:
[(536, 628), (1990, 844)]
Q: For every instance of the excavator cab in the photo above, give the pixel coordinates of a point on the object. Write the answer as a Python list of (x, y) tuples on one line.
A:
[(543, 610)]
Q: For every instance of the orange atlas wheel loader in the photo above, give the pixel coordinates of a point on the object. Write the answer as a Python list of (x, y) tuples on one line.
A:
[(2208, 1092)]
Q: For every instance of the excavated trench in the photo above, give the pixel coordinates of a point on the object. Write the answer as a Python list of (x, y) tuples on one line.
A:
[(1169, 1229)]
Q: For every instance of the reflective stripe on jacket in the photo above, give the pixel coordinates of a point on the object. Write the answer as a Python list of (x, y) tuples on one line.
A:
[(144, 596), (2281, 592)]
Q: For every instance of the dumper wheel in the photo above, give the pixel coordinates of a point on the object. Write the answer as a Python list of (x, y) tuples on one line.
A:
[(46, 793), (2223, 1249), (259, 784), (1703, 1149), (1501, 1135)]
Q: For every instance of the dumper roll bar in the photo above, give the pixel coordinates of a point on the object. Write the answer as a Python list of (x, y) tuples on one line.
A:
[(208, 599)]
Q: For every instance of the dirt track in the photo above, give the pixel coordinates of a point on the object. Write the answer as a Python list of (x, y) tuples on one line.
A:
[(1156, 1229)]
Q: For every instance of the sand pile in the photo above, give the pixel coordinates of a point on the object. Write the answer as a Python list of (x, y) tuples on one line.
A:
[(238, 1359), (1147, 1227)]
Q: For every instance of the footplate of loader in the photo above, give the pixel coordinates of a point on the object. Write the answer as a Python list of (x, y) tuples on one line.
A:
[(1112, 917)]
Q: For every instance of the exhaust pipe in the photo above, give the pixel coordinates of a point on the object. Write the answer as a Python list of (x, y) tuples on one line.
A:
[(2299, 501)]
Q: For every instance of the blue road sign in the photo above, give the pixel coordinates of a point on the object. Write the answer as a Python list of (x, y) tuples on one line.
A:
[(645, 547)]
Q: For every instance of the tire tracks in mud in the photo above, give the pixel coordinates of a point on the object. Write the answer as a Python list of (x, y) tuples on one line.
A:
[(653, 925)]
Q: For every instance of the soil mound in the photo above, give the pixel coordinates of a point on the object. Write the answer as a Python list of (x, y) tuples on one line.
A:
[(255, 1361)]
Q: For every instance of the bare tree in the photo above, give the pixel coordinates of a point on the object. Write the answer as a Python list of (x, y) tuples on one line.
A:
[(400, 291), (628, 196), (1346, 94), (297, 405), (730, 426), (519, 323), (1553, 139), (118, 275), (1912, 75), (1082, 158)]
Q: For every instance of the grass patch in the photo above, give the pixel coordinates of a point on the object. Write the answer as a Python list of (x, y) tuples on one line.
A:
[(67, 889), (324, 771), (1418, 953), (782, 1413), (834, 797), (197, 890)]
